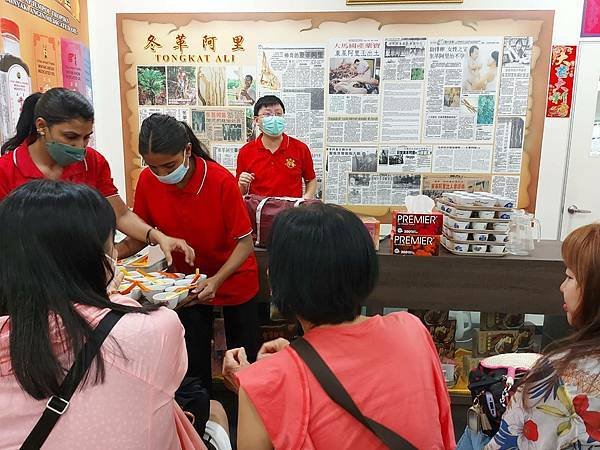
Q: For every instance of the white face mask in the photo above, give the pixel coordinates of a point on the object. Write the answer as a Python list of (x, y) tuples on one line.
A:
[(177, 175)]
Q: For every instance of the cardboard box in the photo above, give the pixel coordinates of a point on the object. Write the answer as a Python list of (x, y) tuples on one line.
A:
[(430, 316), (428, 224), (284, 330), (490, 343), (501, 321), (417, 245), (443, 333), (373, 227), (446, 352), (494, 342)]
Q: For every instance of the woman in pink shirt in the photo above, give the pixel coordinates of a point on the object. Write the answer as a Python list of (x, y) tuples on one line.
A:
[(322, 266), (55, 243)]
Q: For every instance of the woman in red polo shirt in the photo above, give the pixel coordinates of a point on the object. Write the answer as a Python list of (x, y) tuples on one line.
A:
[(52, 138), (188, 195)]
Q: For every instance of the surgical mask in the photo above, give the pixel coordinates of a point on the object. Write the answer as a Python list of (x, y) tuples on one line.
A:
[(65, 154), (176, 176), (273, 125)]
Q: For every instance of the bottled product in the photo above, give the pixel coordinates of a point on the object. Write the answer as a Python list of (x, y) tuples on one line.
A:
[(15, 80)]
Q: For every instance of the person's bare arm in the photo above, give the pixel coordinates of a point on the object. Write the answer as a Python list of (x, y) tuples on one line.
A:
[(311, 189), (251, 432), (128, 247), (132, 225)]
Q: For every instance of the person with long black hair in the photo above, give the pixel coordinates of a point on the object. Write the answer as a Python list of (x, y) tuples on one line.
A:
[(187, 194), (51, 142), (56, 266)]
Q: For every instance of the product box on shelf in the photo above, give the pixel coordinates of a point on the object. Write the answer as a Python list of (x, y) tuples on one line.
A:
[(279, 329), (494, 342), (443, 333), (430, 316), (424, 224), (501, 321), (414, 244), (446, 352), (373, 227)]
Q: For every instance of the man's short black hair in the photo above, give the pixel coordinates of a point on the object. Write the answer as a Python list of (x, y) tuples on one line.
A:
[(322, 263), (267, 100), (356, 60)]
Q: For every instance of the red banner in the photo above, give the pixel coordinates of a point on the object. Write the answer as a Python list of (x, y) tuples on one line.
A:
[(562, 76), (590, 25)]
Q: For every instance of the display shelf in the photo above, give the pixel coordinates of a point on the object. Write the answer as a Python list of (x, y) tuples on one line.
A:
[(516, 284)]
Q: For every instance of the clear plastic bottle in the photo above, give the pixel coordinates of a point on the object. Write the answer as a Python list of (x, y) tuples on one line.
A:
[(15, 79)]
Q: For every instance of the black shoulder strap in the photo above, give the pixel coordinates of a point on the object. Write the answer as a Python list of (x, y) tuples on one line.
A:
[(58, 404), (339, 395)]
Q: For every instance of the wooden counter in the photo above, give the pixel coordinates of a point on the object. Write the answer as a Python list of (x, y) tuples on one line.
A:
[(517, 284)]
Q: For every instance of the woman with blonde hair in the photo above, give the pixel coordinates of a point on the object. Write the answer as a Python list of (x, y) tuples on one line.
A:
[(558, 404)]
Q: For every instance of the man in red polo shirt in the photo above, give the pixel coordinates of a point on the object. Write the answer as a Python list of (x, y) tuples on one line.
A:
[(274, 164)]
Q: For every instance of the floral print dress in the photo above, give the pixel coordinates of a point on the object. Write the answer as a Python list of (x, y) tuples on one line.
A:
[(561, 413)]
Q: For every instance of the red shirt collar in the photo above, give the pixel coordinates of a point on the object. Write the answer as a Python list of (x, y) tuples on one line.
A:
[(285, 143), (24, 164)]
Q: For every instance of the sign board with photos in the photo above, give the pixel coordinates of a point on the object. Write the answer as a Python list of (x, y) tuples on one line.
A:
[(417, 103)]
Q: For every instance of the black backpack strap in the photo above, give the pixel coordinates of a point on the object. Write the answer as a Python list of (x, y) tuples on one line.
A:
[(57, 404), (339, 395)]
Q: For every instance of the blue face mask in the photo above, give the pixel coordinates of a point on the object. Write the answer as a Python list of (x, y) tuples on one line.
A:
[(273, 125), (176, 176)]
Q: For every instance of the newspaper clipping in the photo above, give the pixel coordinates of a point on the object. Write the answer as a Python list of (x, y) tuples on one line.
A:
[(220, 125), (352, 130), (506, 185), (181, 114), (381, 188), (403, 75), (404, 59), (241, 85), (516, 73), (462, 158), (405, 158), (304, 115), (225, 154), (435, 185), (401, 121), (296, 74), (147, 111), (288, 66), (508, 151), (354, 76), (462, 81), (341, 161)]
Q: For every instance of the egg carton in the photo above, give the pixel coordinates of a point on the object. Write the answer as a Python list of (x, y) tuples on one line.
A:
[(483, 249), (448, 203), (464, 223), (468, 236)]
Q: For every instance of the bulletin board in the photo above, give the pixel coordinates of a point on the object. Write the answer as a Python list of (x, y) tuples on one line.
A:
[(391, 103), (53, 48)]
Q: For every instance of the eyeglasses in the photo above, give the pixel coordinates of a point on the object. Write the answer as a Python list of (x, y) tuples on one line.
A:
[(268, 114)]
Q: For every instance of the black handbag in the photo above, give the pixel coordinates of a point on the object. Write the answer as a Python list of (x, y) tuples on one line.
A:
[(491, 384), (339, 395), (58, 404)]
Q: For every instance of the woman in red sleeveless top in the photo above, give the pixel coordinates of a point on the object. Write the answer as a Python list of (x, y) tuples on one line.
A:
[(322, 266)]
